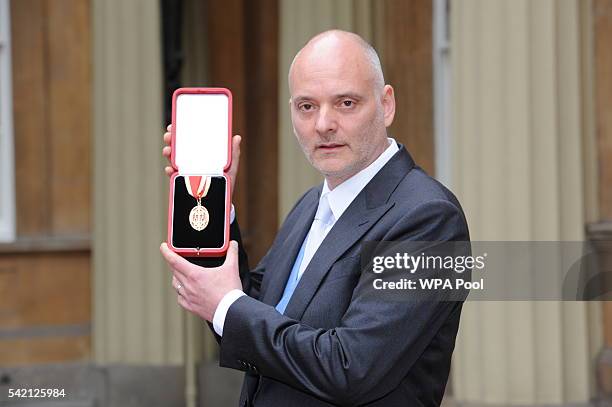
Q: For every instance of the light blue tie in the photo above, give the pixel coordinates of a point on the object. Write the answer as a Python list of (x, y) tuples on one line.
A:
[(292, 281), (320, 227)]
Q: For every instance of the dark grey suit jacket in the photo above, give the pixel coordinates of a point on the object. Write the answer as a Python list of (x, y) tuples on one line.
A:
[(335, 344)]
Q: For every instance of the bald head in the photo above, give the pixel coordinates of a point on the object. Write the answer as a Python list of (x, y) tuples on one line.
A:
[(338, 45)]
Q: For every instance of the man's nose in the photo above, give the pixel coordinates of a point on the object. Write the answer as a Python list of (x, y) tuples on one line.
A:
[(326, 121)]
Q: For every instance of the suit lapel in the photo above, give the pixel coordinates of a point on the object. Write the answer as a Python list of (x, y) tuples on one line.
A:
[(281, 268), (361, 215), (351, 226)]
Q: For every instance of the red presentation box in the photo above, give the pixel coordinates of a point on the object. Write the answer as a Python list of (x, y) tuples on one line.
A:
[(200, 201)]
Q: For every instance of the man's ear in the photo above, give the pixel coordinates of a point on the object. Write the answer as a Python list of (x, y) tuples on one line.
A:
[(388, 102)]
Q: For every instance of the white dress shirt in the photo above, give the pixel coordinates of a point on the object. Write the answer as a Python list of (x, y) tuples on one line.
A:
[(339, 199)]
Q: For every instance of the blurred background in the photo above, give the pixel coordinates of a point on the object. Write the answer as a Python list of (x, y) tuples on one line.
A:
[(507, 102)]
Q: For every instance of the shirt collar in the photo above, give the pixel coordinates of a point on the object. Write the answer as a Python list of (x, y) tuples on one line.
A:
[(341, 197)]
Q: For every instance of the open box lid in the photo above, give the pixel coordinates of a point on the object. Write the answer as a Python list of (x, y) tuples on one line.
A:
[(201, 130)]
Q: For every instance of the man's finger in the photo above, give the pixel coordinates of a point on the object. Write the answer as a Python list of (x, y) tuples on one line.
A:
[(167, 138), (236, 140), (169, 171), (176, 282), (166, 151), (169, 128), (175, 261), (183, 302), (235, 153), (178, 286)]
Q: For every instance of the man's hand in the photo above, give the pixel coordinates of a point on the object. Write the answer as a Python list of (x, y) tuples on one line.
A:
[(200, 289), (233, 170)]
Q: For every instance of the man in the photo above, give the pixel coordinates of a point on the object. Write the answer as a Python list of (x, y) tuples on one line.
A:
[(304, 324)]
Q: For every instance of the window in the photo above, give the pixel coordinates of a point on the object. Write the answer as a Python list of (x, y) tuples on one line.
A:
[(442, 94), (7, 176)]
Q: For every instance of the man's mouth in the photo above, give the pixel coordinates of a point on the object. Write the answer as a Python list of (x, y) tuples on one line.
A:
[(329, 146)]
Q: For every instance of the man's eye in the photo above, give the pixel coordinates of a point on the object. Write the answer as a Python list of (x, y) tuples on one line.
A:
[(348, 103), (305, 107)]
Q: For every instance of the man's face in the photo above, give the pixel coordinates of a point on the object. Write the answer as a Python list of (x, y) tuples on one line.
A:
[(338, 113)]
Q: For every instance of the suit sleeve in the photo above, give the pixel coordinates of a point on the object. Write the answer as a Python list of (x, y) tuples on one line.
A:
[(372, 349)]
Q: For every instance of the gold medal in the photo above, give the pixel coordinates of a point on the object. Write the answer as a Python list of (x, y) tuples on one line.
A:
[(198, 217), (198, 188)]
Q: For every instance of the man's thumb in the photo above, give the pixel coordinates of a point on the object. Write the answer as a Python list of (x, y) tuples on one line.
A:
[(232, 253)]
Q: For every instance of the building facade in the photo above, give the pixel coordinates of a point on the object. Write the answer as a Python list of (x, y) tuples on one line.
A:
[(508, 102)]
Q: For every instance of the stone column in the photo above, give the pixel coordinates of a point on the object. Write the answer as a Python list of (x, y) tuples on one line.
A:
[(136, 319), (519, 170)]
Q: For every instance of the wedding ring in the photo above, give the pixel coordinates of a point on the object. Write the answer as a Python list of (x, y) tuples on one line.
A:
[(178, 287)]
